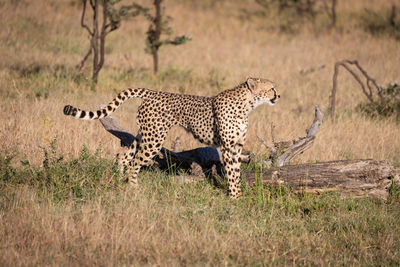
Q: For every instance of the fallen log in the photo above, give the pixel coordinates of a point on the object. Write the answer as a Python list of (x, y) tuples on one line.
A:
[(356, 178)]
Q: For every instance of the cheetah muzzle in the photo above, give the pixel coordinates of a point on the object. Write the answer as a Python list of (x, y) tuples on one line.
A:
[(220, 121)]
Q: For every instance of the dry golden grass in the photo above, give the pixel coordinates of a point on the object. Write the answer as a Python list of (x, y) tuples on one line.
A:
[(165, 225), (227, 46)]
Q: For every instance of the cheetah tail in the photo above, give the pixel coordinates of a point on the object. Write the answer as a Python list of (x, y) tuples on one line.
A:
[(110, 108)]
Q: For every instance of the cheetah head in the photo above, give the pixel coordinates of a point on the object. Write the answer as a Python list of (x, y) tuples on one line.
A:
[(263, 91)]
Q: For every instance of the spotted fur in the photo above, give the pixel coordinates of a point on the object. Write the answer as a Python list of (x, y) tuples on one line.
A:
[(218, 121)]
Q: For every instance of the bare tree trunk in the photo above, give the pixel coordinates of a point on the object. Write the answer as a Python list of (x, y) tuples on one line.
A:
[(333, 13), (330, 9), (157, 34), (103, 33), (392, 16), (155, 60), (82, 64), (333, 94), (98, 36), (95, 37)]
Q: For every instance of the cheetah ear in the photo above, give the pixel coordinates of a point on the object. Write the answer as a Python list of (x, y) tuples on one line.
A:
[(250, 83)]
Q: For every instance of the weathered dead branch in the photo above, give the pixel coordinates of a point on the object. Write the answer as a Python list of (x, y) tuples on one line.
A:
[(281, 153), (368, 88), (303, 143)]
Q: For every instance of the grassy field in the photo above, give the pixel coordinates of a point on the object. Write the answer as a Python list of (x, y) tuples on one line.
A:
[(63, 203)]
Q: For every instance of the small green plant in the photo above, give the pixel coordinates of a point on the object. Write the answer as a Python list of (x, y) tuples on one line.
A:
[(383, 22), (386, 105), (292, 13), (58, 179), (50, 155), (263, 194), (394, 192), (7, 171)]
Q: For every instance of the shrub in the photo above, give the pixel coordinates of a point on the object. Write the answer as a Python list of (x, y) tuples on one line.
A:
[(293, 13), (386, 105), (383, 22), (79, 179)]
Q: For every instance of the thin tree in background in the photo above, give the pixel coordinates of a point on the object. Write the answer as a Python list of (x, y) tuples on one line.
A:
[(158, 27), (330, 9), (109, 21)]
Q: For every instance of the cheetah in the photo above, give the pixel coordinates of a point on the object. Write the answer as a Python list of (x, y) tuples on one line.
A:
[(219, 121)]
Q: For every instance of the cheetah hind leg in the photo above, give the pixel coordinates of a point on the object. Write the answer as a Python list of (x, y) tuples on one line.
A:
[(124, 160), (144, 156)]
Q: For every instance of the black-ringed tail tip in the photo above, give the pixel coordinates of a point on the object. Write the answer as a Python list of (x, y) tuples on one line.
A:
[(68, 109)]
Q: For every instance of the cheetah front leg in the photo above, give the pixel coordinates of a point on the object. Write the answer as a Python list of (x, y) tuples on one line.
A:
[(231, 158)]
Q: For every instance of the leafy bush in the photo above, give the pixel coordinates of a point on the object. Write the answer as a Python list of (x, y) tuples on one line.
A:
[(387, 104), (292, 14), (79, 179), (382, 22)]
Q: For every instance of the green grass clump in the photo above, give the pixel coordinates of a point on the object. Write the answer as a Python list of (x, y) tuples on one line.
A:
[(58, 179)]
